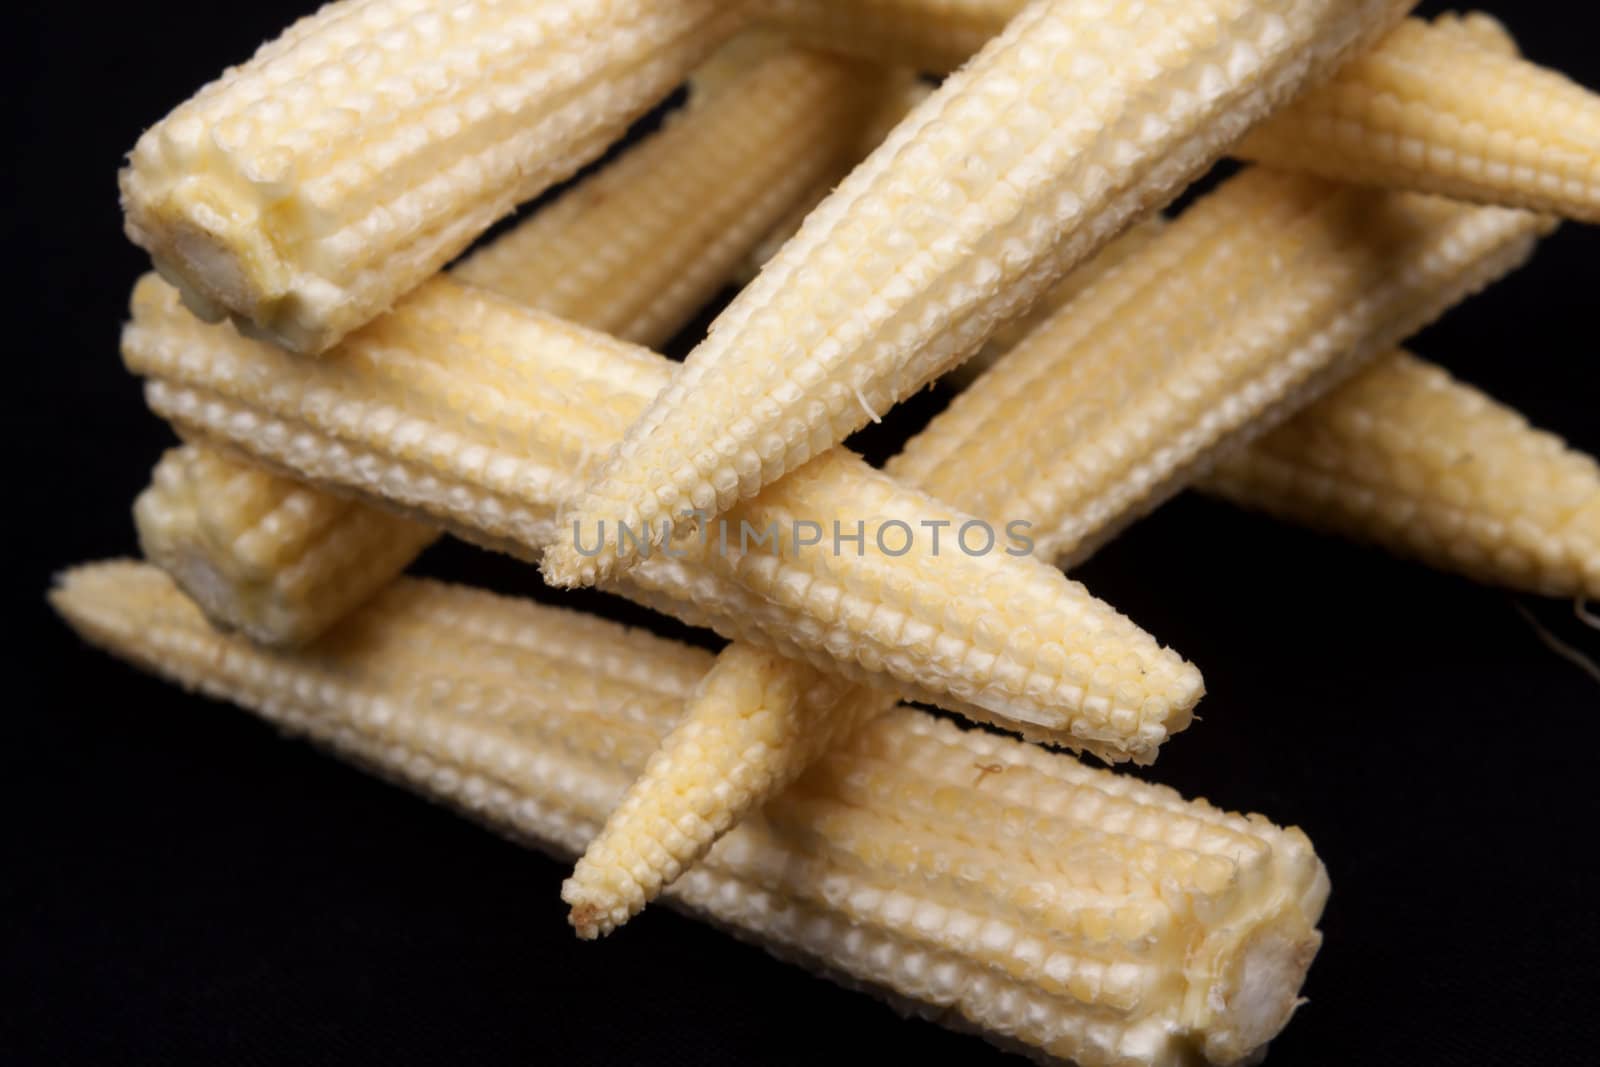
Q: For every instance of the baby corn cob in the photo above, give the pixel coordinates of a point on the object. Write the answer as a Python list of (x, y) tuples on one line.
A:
[(484, 417), (1205, 329), (636, 250), (1068, 289), (641, 247), (1446, 107), (260, 554), (982, 881), (756, 724), (302, 192), (1009, 175), (1454, 112), (1406, 456), (1262, 296), (940, 35)]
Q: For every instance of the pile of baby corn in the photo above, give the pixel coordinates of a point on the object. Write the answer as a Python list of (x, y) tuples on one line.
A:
[(344, 399)]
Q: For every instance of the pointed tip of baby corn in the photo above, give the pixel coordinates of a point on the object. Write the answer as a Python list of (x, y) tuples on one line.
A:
[(898, 274), (755, 723), (67, 586), (563, 567), (595, 549), (106, 602), (587, 919), (1406, 457)]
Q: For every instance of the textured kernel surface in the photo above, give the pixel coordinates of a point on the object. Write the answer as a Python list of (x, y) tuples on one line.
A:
[(1123, 941), (1023, 164), (483, 417), (306, 189)]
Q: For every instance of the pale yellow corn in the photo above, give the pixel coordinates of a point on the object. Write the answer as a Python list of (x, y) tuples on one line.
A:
[(1446, 107), (484, 418), (1011, 334), (1454, 112), (304, 191), (1081, 117), (756, 724), (759, 721), (277, 561), (1406, 456), (1065, 291), (907, 93), (1203, 331), (940, 35), (1259, 298), (978, 880), (636, 250)]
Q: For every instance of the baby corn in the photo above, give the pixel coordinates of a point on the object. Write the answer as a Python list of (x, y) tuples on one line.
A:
[(940, 35), (757, 723), (636, 250), (1068, 289), (304, 191), (1081, 117), (306, 203), (1405, 456), (1201, 333), (1445, 107), (260, 554), (1452, 111), (1262, 296), (980, 880), (483, 418)]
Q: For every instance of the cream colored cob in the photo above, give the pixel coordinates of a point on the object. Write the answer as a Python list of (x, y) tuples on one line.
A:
[(1407, 457), (277, 561), (940, 35), (1451, 112), (1068, 289), (1080, 118), (1225, 321), (484, 417), (304, 191), (979, 880), (635, 250), (1445, 107), (758, 722), (638, 249), (1261, 297)]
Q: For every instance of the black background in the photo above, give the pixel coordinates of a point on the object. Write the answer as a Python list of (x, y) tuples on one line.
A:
[(179, 885)]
